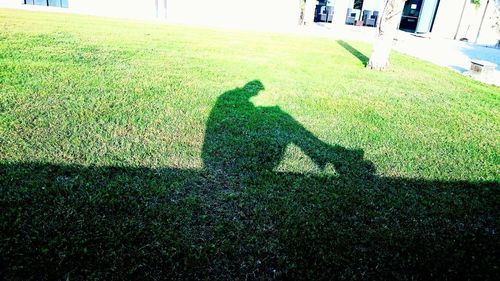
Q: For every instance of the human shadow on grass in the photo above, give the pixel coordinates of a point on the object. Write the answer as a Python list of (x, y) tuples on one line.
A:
[(238, 219), (364, 59), (244, 140)]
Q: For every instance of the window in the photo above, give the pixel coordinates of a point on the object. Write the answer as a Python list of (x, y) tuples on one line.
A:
[(51, 3)]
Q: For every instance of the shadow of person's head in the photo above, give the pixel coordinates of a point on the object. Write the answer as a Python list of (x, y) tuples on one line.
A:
[(251, 89)]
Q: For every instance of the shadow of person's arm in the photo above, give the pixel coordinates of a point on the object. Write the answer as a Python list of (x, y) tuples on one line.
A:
[(346, 161)]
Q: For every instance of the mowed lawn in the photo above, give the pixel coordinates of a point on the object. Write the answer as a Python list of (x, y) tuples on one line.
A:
[(144, 151)]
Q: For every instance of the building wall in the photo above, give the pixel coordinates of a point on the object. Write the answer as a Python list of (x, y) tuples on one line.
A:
[(373, 5), (340, 10), (276, 14), (262, 14), (136, 9), (448, 17), (143, 9)]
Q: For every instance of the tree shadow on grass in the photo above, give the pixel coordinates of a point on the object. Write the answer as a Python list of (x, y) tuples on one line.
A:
[(239, 219), (364, 59)]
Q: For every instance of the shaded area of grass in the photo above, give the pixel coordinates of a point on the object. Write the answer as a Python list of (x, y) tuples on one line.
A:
[(140, 151), (364, 59), (238, 219), (126, 223)]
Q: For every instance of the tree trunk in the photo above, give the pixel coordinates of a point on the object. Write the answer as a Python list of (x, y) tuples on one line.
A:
[(460, 20), (390, 19), (309, 7), (482, 20)]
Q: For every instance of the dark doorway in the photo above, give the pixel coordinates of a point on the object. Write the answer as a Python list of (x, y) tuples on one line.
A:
[(418, 16), (358, 4), (411, 12)]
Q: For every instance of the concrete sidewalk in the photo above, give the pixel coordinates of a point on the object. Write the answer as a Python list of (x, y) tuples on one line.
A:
[(453, 54)]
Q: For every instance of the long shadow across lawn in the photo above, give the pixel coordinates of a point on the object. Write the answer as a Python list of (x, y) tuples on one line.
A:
[(239, 219), (364, 59)]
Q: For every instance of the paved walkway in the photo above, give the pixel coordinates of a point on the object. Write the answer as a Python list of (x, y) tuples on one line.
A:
[(450, 53)]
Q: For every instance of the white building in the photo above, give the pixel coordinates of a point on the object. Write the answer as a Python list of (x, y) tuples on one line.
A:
[(276, 14), (443, 18)]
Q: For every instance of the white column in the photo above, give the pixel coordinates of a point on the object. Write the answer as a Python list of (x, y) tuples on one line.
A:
[(340, 11), (162, 9), (309, 12), (427, 12)]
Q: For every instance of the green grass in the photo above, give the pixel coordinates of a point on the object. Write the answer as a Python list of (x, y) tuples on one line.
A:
[(133, 150)]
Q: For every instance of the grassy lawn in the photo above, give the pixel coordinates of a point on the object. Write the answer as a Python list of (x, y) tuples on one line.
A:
[(133, 151)]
